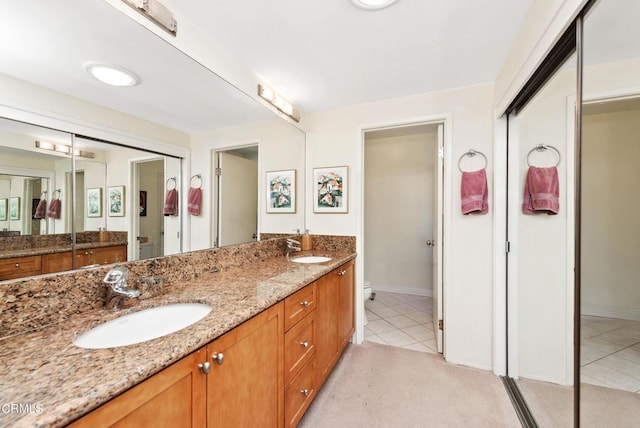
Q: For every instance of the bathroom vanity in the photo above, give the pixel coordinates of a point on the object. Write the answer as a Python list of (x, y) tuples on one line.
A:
[(276, 330)]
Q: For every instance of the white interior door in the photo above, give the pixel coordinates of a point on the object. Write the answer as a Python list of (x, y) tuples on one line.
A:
[(238, 199), (438, 220)]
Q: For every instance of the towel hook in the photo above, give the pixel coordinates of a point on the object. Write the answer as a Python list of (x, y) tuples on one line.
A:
[(542, 148), (471, 153), (199, 177), (175, 183), (58, 191), (44, 192)]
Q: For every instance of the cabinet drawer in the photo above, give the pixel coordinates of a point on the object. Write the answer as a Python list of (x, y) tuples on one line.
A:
[(17, 267), (57, 262), (298, 305), (299, 346), (299, 394)]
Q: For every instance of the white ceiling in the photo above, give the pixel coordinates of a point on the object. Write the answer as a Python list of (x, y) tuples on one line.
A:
[(320, 54), (328, 53)]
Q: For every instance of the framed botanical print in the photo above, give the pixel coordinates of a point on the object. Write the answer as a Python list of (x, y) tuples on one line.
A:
[(330, 194), (116, 201), (94, 202), (281, 191)]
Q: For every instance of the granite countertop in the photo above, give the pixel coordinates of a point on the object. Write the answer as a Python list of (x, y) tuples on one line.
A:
[(26, 252), (60, 382)]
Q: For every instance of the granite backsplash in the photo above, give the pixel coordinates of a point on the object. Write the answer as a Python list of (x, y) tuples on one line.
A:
[(31, 304)]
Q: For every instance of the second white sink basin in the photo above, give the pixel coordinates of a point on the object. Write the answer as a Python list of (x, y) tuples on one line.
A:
[(310, 259), (143, 325)]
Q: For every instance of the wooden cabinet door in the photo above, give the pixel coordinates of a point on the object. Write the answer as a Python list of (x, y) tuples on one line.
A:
[(109, 255), (345, 303), (245, 387), (327, 325), (57, 262), (18, 267), (175, 397)]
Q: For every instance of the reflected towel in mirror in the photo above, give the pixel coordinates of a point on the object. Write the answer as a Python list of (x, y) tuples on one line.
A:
[(171, 203), (541, 191), (41, 209), (194, 200), (54, 209), (474, 193)]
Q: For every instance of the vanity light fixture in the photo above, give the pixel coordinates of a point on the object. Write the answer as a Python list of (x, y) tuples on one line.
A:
[(373, 4), (113, 75), (278, 102), (157, 13), (63, 148)]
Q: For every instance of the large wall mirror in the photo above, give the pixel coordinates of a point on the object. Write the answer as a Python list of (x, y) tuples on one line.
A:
[(126, 147)]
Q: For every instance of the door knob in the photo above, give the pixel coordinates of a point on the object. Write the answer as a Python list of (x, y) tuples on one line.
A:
[(431, 242)]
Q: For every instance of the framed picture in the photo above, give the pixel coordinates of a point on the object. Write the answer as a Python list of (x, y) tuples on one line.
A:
[(143, 203), (116, 201), (3, 209), (94, 202), (331, 195), (14, 208), (281, 188)]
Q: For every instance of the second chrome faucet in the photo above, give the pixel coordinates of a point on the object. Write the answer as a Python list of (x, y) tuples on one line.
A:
[(117, 288)]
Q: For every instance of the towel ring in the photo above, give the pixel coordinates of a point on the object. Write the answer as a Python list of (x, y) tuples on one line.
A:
[(541, 148), (58, 191), (175, 183), (471, 153), (199, 177)]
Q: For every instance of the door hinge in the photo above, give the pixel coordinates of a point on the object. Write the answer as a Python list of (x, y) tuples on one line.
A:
[(441, 152), (507, 247), (218, 172), (441, 325)]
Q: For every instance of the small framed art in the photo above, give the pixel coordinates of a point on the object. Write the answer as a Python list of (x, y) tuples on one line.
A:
[(94, 202), (116, 201), (14, 208), (331, 184), (281, 188)]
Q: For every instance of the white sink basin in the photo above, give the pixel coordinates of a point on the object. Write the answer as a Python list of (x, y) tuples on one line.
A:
[(143, 325), (310, 259)]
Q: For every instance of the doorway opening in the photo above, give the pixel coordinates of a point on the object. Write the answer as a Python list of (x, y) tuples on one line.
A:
[(235, 195), (148, 217), (403, 235)]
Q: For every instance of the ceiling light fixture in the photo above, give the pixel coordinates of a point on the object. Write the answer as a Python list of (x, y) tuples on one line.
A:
[(373, 4), (278, 102), (157, 13), (113, 75), (63, 148)]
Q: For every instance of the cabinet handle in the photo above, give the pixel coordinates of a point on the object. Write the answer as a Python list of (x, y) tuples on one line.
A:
[(304, 304), (218, 357), (205, 367), (304, 392), (342, 273), (304, 344)]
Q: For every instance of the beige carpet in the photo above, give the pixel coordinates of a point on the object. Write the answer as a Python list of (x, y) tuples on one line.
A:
[(552, 405), (382, 386)]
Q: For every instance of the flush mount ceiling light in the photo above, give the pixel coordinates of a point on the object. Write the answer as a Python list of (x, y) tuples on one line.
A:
[(373, 4), (111, 74)]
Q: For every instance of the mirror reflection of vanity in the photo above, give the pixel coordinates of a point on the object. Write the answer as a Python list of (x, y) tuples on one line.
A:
[(125, 147)]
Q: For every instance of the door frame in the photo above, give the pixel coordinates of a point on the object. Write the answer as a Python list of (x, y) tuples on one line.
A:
[(446, 119), (213, 157)]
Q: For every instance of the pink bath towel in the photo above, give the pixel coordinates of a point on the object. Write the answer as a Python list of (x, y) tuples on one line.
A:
[(171, 203), (54, 209), (541, 191), (41, 209), (474, 193), (194, 200)]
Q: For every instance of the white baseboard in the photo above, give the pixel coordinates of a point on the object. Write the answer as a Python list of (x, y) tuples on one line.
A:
[(610, 312), (414, 291)]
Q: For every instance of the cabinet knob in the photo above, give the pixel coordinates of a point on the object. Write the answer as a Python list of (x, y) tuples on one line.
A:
[(304, 304), (304, 344), (304, 392), (218, 357), (205, 367), (342, 273), (17, 265)]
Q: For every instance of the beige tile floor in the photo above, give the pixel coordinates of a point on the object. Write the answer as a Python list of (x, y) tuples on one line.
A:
[(400, 320), (610, 353)]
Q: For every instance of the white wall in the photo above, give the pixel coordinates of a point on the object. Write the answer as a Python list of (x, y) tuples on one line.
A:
[(335, 137), (281, 147), (610, 227), (399, 212)]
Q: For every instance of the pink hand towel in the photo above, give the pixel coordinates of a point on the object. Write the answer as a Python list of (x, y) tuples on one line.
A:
[(194, 200), (171, 203), (474, 193), (54, 209), (41, 209), (541, 191)]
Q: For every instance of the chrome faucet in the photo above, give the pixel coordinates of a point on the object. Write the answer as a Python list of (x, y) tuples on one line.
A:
[(292, 245), (117, 289)]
